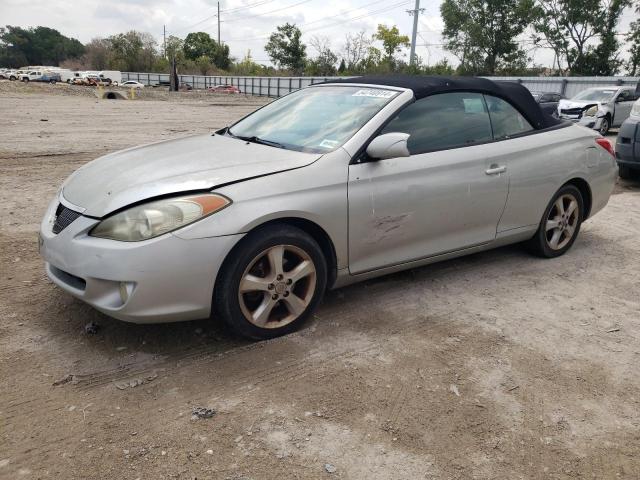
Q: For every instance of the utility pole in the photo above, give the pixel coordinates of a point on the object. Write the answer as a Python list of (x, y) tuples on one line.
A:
[(164, 42), (218, 23), (415, 12)]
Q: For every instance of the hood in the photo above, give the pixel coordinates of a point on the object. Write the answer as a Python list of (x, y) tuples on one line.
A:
[(578, 103), (174, 166)]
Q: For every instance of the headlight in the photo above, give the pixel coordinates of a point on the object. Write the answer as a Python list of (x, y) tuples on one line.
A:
[(155, 218), (635, 110), (591, 112)]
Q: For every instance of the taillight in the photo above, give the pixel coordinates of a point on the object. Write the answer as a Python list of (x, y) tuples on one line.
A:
[(606, 144)]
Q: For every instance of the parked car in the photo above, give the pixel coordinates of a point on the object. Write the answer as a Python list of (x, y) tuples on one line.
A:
[(224, 89), (548, 101), (628, 144), (330, 185), (132, 84), (15, 74), (599, 108)]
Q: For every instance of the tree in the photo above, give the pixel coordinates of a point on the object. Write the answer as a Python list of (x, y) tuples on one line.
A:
[(325, 63), (36, 46), (633, 38), (247, 66), (570, 27), (355, 50), (392, 41), (200, 44), (483, 33), (132, 51), (342, 67), (286, 49), (174, 48)]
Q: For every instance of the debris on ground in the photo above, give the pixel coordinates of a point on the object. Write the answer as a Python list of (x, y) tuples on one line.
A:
[(454, 389), (134, 382), (615, 329), (66, 379), (202, 412), (91, 328), (330, 468)]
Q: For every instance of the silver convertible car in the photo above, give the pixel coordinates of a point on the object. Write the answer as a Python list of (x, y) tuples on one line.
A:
[(327, 186)]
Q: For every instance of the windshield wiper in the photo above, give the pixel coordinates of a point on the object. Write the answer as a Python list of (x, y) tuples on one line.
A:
[(256, 139)]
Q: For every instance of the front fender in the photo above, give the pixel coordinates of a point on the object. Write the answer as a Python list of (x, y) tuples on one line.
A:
[(317, 193)]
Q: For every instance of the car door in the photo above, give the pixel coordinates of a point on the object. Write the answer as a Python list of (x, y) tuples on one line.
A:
[(446, 196), (623, 103)]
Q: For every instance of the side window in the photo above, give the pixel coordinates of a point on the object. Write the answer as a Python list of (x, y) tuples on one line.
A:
[(441, 121), (625, 96), (505, 120)]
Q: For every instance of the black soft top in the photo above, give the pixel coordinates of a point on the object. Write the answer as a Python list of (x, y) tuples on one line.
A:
[(423, 86)]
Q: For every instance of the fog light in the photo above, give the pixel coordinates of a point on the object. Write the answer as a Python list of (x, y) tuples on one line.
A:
[(124, 292)]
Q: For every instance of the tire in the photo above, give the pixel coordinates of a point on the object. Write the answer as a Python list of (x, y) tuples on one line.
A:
[(625, 172), (273, 302), (26, 80), (542, 243), (605, 126)]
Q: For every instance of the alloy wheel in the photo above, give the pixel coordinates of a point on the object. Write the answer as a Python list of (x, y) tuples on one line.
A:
[(277, 286), (604, 126), (562, 221)]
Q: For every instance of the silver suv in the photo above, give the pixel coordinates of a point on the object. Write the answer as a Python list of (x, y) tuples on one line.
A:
[(599, 108)]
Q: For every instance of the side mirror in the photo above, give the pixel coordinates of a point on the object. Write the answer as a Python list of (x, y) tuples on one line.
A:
[(389, 145), (620, 99)]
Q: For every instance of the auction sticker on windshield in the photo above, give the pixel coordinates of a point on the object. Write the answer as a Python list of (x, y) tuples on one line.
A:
[(374, 92)]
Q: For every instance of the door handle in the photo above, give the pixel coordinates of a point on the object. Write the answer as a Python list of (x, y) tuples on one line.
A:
[(495, 169)]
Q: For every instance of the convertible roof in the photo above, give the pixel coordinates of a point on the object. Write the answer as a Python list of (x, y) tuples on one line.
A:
[(423, 86)]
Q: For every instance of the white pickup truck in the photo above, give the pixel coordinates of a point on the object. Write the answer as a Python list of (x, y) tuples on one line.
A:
[(40, 76)]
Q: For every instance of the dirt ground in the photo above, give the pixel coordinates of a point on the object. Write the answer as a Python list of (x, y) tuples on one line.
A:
[(494, 366)]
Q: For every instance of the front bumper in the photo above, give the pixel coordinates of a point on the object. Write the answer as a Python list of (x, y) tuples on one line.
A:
[(164, 279), (590, 122)]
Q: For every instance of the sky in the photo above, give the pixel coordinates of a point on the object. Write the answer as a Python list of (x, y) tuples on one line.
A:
[(245, 24)]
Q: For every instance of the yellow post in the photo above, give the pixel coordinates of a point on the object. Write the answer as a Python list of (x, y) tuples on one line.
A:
[(100, 92), (133, 93)]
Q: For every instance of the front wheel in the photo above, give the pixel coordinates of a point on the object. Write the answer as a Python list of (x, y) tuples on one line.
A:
[(560, 224), (271, 283), (605, 124)]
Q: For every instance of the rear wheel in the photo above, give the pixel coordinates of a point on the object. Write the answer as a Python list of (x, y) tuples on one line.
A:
[(560, 224), (625, 172), (271, 282)]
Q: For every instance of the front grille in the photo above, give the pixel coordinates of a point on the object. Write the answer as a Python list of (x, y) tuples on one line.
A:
[(64, 217), (571, 111)]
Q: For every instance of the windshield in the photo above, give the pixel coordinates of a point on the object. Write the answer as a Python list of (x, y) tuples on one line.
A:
[(596, 94), (315, 120)]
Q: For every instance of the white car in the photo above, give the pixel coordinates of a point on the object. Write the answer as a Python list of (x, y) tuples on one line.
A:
[(132, 84), (599, 108)]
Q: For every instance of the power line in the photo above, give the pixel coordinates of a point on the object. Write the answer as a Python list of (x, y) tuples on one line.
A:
[(331, 25), (245, 17), (231, 10)]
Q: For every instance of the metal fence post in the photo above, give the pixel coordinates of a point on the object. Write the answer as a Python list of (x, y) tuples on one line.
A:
[(563, 88)]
